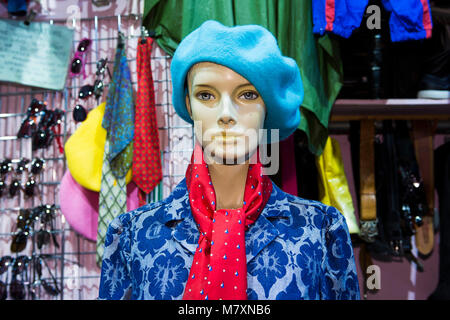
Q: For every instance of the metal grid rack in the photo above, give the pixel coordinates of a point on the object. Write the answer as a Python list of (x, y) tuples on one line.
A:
[(73, 263)]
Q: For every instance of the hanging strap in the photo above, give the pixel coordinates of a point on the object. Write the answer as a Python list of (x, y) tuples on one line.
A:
[(368, 208), (423, 131)]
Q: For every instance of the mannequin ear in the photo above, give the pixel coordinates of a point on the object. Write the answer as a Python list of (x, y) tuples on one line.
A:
[(188, 105)]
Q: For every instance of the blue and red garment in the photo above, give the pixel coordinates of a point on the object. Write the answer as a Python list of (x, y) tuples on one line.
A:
[(409, 19)]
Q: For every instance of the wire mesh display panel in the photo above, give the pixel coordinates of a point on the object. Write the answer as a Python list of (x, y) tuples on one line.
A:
[(68, 263)]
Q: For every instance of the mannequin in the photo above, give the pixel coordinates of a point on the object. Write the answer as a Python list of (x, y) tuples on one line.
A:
[(226, 231), (226, 105)]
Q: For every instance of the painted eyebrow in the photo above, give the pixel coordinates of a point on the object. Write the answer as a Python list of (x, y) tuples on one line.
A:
[(209, 86)]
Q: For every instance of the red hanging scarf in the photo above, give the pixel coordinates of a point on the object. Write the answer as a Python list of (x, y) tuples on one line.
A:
[(219, 268)]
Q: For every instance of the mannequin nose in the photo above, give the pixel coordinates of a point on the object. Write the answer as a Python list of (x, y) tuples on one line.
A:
[(226, 121), (226, 118)]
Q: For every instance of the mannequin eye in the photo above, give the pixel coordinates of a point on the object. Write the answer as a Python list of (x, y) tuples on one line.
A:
[(205, 96), (249, 95)]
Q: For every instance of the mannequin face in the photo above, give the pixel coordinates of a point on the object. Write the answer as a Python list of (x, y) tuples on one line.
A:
[(228, 113)]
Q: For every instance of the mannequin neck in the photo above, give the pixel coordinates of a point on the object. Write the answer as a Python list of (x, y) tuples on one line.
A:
[(229, 184)]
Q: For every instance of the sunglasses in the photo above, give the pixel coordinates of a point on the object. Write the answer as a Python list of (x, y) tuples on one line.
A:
[(20, 267), (28, 126), (4, 265), (5, 167), (24, 226), (45, 134), (79, 113), (29, 188), (51, 289), (17, 290), (78, 62), (47, 231), (102, 65), (15, 186), (26, 219)]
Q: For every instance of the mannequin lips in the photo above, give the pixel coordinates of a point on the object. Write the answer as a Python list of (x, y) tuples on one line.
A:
[(227, 137)]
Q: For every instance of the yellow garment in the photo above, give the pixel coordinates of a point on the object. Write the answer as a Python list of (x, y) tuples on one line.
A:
[(84, 151), (333, 185)]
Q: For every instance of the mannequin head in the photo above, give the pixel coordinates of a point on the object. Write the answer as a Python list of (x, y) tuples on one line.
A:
[(252, 52), (227, 111)]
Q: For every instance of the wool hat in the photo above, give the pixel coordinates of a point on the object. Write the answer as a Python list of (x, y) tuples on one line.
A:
[(251, 51), (80, 205), (85, 148)]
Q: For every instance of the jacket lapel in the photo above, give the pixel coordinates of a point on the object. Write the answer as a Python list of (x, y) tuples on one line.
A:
[(264, 231), (178, 211)]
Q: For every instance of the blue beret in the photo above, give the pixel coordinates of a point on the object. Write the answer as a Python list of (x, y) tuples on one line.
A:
[(252, 52)]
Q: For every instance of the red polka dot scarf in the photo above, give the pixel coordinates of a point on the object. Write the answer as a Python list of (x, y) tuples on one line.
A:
[(219, 268)]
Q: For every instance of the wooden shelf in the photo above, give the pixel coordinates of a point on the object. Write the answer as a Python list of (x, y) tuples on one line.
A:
[(406, 109)]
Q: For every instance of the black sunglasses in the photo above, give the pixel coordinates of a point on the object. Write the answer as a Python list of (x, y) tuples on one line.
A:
[(15, 186), (28, 125), (44, 135), (17, 289), (51, 289), (5, 167), (46, 214)]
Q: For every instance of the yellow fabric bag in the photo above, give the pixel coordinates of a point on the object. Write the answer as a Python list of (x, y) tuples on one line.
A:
[(84, 151), (333, 185)]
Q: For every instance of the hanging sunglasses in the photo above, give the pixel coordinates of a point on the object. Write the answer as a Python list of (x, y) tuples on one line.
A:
[(30, 186), (28, 126), (22, 165), (5, 262), (37, 165), (17, 290), (78, 61), (45, 134), (102, 65), (24, 226), (5, 167), (86, 91), (79, 113), (47, 230), (52, 290)]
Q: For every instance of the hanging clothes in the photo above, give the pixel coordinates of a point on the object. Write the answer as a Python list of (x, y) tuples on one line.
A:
[(118, 122), (333, 186), (409, 19), (147, 171), (118, 119), (318, 58)]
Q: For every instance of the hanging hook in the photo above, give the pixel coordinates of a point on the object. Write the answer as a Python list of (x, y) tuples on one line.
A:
[(119, 22), (144, 35), (121, 39)]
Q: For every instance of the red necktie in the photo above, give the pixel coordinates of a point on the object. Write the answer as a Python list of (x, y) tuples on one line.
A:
[(219, 268), (146, 154)]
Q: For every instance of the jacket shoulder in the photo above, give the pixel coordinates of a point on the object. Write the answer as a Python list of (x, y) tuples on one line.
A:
[(323, 214)]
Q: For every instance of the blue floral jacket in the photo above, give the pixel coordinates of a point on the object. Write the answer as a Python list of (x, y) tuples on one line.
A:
[(297, 249)]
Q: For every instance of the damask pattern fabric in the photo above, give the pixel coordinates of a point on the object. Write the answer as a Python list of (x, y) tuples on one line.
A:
[(296, 249)]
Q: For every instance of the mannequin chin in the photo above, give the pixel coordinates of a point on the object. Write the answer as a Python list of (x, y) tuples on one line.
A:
[(228, 113)]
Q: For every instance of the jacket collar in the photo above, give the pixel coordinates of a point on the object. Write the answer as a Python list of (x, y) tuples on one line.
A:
[(259, 235)]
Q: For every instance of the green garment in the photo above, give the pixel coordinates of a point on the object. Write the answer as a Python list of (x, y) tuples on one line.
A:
[(290, 21)]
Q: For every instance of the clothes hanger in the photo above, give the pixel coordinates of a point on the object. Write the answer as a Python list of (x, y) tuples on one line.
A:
[(144, 35)]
